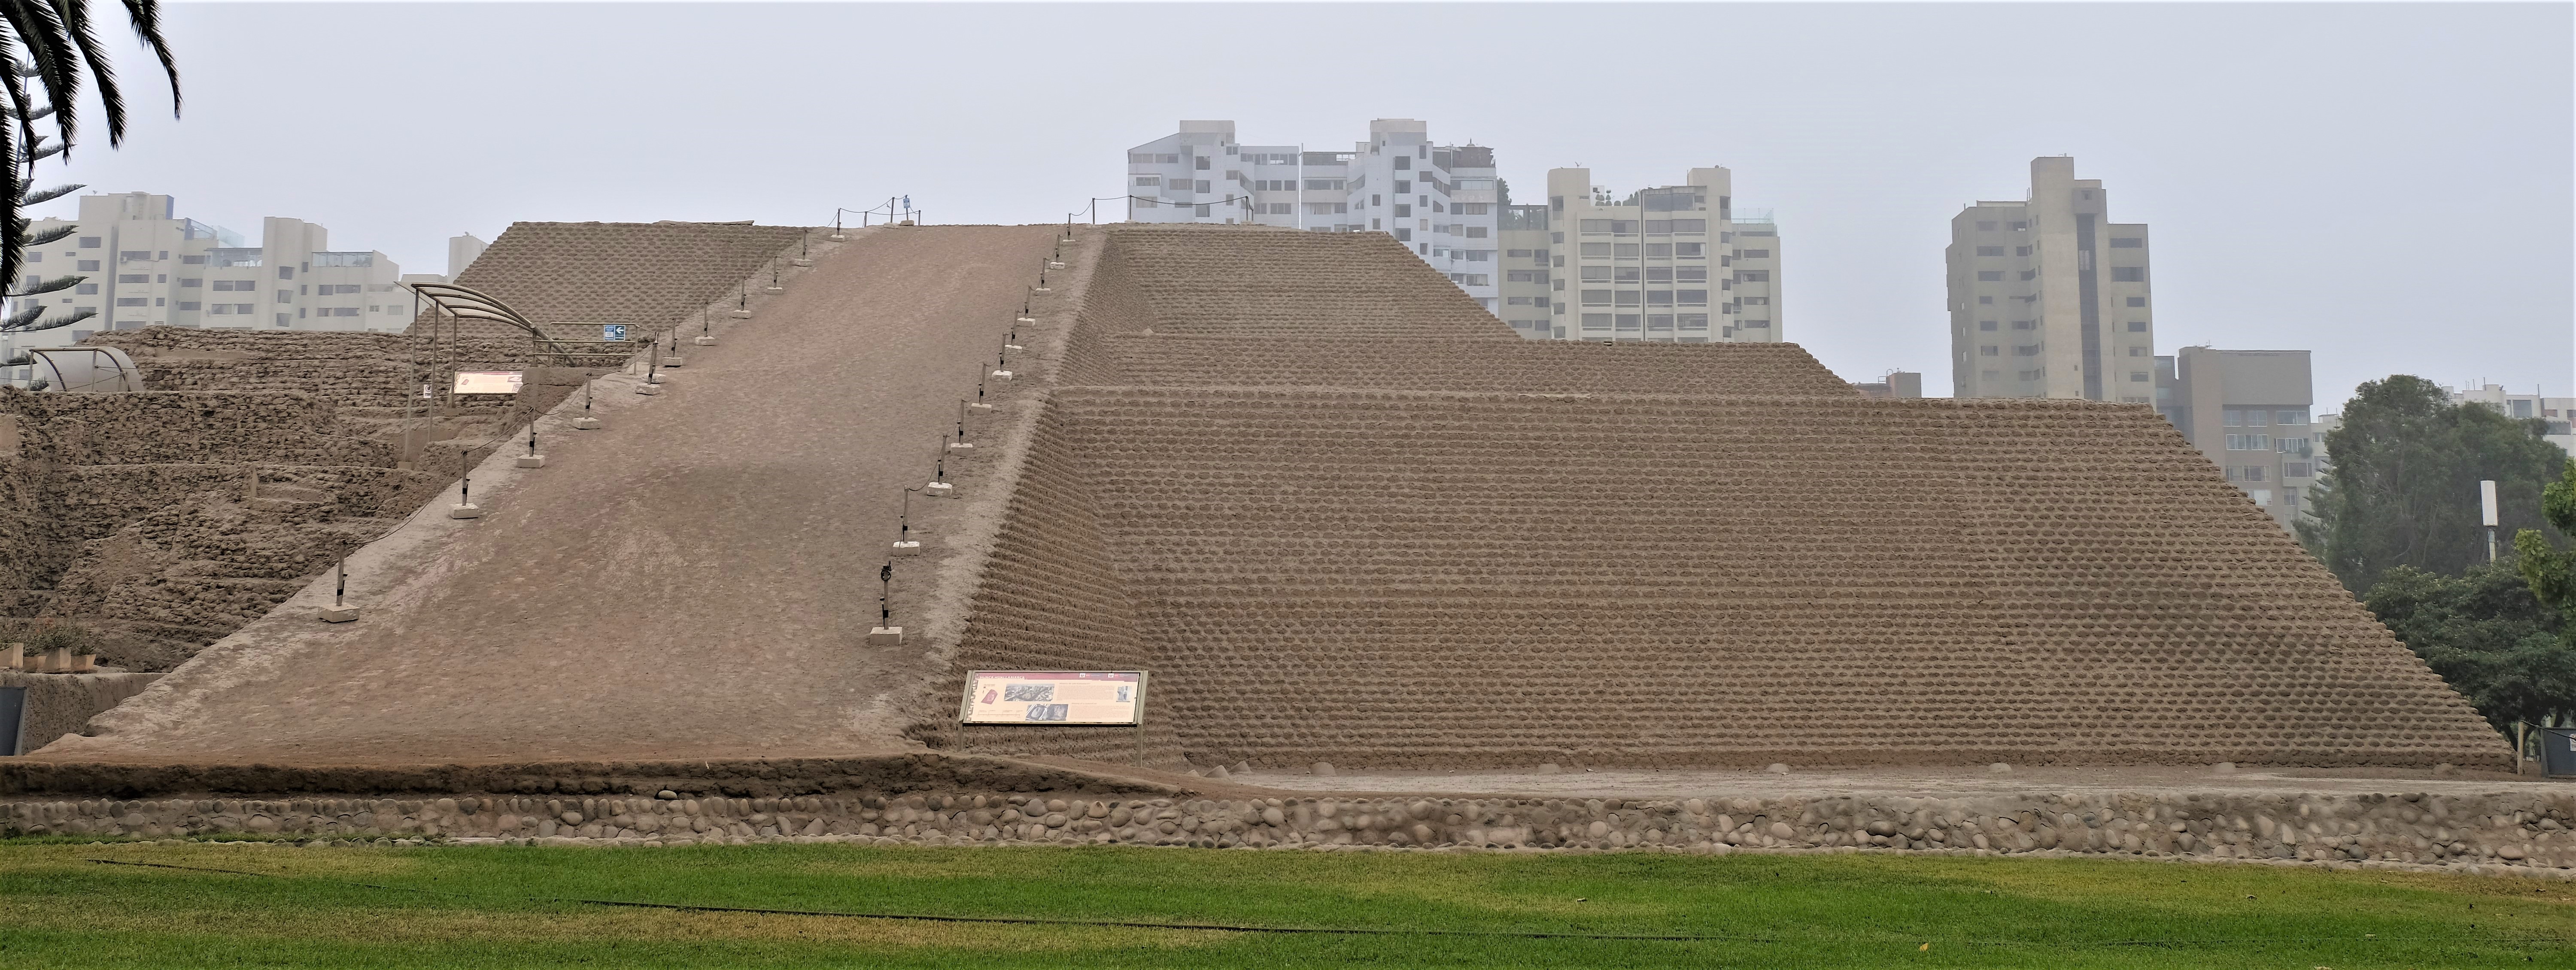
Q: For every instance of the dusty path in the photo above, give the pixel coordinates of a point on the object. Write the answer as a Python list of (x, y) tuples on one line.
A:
[(696, 580)]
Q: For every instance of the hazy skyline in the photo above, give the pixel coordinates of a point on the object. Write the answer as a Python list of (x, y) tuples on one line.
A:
[(2388, 186)]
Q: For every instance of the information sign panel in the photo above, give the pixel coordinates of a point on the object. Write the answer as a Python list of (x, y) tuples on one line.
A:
[(612, 331), (1053, 697), (488, 382)]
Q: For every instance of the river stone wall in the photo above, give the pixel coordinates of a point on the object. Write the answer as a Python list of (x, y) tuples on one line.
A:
[(2503, 832)]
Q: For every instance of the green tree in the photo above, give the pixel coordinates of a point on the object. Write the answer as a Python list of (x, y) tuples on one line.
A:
[(2550, 573), (2402, 486), (55, 44), (2488, 636)]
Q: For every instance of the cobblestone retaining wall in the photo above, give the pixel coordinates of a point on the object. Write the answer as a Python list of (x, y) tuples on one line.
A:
[(2524, 834)]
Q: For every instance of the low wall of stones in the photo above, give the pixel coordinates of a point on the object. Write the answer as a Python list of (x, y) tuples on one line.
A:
[(58, 704), (2525, 834)]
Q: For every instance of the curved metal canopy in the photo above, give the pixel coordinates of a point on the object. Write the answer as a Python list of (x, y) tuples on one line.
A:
[(469, 304)]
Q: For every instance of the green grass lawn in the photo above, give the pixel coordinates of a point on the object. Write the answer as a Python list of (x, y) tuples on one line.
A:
[(521, 907)]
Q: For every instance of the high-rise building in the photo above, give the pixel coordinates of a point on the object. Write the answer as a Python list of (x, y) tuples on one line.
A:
[(2557, 411), (143, 266), (1671, 264), (2049, 297), (2248, 411), (1442, 201)]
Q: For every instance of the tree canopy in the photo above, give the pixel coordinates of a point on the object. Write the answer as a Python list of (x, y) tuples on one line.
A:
[(2487, 636), (2401, 488)]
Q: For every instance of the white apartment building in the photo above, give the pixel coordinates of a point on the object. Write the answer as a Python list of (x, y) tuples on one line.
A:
[(2048, 297), (1671, 264), (2558, 411), (1441, 200), (144, 266)]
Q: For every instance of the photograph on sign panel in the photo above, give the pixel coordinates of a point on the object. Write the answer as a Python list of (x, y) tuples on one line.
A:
[(1052, 697), (487, 382)]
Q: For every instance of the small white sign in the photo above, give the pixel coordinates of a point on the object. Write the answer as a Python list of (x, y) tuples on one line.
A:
[(1053, 697), (488, 381)]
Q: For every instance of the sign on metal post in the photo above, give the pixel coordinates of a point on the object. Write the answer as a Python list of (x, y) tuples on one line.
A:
[(612, 331), (1053, 697), (488, 381)]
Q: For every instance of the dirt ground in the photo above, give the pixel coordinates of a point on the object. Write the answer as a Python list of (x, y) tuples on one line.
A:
[(696, 580)]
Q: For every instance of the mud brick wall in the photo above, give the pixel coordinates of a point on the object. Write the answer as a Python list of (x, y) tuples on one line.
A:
[(1260, 281), (58, 704), (1525, 366), (1427, 580), (233, 427), (1049, 600), (653, 275)]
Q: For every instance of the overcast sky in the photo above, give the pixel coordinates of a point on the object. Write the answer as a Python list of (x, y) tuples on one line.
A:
[(2386, 185)]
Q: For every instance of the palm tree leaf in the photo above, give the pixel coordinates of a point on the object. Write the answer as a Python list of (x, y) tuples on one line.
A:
[(146, 16), (75, 20), (41, 196)]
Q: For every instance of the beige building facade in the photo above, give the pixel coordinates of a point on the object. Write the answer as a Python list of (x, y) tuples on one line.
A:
[(2248, 410), (2050, 298), (1672, 264)]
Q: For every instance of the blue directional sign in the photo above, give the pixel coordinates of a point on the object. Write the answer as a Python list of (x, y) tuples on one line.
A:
[(612, 331)]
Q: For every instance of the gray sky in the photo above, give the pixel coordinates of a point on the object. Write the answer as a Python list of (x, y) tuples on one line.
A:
[(2387, 185)]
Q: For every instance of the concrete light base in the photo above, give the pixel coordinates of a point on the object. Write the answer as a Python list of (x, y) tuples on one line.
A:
[(979, 408), (907, 549), (1043, 289), (961, 447), (648, 388), (703, 341), (465, 512), (773, 290), (1001, 375), (741, 314), (671, 362), (532, 461), (1028, 319), (806, 262), (1055, 265), (585, 424), (339, 614), (885, 636), (837, 237), (939, 490)]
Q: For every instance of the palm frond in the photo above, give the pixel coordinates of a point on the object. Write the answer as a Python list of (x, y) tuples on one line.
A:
[(41, 196), (55, 285)]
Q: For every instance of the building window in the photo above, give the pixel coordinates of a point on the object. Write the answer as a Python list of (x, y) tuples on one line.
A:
[(1986, 226), (90, 242), (1693, 321), (2139, 376), (2029, 274), (1990, 250), (1753, 276), (86, 289), (1691, 297), (1149, 181), (1690, 250), (2128, 274), (2025, 324), (1596, 298), (1990, 276), (1989, 350), (2249, 442), (130, 301), (1985, 325), (1596, 321), (1596, 250), (86, 265), (2118, 242), (2300, 415), (2026, 350), (185, 305), (1754, 325), (1690, 274)]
